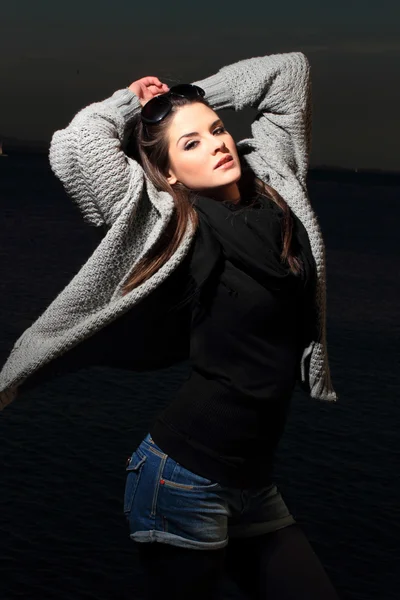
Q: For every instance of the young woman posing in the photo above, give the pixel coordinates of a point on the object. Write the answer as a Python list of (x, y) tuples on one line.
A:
[(232, 227)]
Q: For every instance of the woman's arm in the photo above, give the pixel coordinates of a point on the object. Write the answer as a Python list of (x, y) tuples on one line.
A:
[(87, 155), (279, 87)]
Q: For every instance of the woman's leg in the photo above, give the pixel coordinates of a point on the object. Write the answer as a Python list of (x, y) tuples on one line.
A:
[(281, 565), (180, 573)]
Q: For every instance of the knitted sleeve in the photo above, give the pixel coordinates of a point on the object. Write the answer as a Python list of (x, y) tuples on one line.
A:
[(87, 157), (278, 86)]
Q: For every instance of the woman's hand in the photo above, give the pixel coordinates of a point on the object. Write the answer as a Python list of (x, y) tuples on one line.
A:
[(148, 87)]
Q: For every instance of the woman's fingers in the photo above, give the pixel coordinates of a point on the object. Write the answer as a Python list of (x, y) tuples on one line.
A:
[(148, 87), (150, 80), (158, 90), (154, 89)]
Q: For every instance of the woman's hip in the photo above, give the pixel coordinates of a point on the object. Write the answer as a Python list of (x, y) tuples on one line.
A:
[(168, 503)]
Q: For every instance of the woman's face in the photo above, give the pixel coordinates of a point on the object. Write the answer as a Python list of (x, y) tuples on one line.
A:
[(193, 157)]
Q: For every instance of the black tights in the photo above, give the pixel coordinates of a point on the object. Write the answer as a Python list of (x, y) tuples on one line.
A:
[(276, 566)]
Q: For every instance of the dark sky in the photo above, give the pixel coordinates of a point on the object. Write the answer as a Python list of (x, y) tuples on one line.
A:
[(55, 59)]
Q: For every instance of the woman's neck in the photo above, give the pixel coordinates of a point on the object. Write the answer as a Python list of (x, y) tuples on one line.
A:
[(226, 194)]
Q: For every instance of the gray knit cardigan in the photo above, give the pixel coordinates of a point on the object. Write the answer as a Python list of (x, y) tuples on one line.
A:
[(112, 191)]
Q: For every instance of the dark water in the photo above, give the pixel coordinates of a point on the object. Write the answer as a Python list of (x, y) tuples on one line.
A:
[(64, 445)]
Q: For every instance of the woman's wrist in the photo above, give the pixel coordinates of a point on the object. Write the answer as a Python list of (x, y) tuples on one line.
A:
[(127, 104)]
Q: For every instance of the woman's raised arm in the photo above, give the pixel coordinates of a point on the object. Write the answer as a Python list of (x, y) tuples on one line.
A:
[(87, 155), (279, 87)]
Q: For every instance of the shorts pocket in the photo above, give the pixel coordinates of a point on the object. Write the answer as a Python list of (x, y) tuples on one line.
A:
[(187, 480), (134, 470)]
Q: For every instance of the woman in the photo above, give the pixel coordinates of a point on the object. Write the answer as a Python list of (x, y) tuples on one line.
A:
[(232, 228)]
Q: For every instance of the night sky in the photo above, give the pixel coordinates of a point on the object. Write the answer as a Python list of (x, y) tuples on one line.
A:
[(56, 59)]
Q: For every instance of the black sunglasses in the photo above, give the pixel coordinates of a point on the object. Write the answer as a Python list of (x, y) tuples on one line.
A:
[(156, 109)]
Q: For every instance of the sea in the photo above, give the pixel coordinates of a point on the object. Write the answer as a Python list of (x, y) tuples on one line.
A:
[(64, 445)]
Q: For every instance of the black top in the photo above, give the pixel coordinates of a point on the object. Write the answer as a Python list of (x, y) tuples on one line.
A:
[(242, 320), (246, 338)]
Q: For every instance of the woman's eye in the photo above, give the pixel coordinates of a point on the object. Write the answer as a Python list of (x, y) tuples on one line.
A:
[(190, 145)]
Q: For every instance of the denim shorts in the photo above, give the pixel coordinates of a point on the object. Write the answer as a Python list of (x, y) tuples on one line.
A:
[(165, 502)]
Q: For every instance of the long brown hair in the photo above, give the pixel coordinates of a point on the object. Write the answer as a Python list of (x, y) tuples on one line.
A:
[(148, 145)]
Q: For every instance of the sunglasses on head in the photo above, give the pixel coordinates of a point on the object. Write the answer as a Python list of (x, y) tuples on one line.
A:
[(156, 109)]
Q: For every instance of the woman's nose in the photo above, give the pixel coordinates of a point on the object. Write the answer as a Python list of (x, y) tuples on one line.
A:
[(218, 144)]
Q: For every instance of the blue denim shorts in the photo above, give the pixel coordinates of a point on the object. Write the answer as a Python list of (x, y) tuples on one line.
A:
[(164, 502)]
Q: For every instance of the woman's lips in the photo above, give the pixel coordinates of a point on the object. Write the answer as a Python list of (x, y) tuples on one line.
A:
[(228, 162)]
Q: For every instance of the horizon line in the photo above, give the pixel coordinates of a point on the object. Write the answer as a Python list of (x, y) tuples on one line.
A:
[(17, 146)]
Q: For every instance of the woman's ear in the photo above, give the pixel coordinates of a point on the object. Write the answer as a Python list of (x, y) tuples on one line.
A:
[(171, 178)]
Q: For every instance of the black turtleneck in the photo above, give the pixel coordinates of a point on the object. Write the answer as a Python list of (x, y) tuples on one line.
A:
[(250, 320)]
